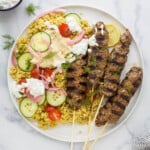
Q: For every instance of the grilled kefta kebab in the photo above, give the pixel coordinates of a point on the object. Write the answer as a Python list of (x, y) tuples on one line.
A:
[(116, 106), (115, 65), (126, 90), (76, 76), (76, 82), (97, 58)]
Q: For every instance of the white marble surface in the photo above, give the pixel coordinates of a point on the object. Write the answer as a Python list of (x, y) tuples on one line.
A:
[(15, 134)]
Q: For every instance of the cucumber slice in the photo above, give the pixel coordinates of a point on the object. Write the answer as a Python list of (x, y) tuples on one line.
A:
[(42, 100), (74, 15), (28, 108), (24, 62), (40, 41), (55, 98)]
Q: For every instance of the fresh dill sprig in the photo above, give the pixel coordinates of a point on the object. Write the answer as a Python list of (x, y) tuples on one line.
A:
[(9, 41), (31, 8)]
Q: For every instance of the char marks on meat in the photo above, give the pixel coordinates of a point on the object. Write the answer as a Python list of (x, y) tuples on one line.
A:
[(116, 106), (76, 82), (102, 35), (96, 68), (97, 59), (116, 62)]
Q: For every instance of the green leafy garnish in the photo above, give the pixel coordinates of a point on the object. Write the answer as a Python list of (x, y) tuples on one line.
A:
[(120, 67), (50, 55), (115, 73), (94, 61), (30, 9), (87, 102), (87, 69), (96, 48), (9, 41), (66, 65), (89, 99), (91, 94), (128, 89)]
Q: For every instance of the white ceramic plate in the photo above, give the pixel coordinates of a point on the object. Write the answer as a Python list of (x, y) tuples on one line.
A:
[(63, 132)]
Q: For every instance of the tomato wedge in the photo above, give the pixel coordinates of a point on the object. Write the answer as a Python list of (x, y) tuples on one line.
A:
[(64, 30), (35, 73), (54, 114), (23, 80), (47, 72)]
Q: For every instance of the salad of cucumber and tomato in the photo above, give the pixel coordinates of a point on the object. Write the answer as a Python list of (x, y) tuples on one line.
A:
[(39, 46)]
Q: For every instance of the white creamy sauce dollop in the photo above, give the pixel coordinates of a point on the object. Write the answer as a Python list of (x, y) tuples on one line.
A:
[(35, 86), (81, 47), (73, 24), (16, 89), (89, 50), (4, 4), (92, 41)]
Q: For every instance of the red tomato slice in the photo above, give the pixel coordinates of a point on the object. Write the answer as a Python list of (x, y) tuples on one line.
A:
[(53, 113), (23, 80), (35, 73), (47, 72), (64, 30)]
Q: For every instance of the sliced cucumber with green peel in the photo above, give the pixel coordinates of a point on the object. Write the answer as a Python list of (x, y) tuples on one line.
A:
[(55, 98), (40, 41), (24, 62), (42, 100), (74, 15), (28, 108)]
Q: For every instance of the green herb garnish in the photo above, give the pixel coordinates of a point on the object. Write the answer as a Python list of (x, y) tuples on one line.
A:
[(115, 73), (87, 69), (9, 41), (50, 55), (30, 9), (94, 61), (128, 89), (66, 65), (91, 94), (96, 48), (120, 67), (89, 99), (87, 102)]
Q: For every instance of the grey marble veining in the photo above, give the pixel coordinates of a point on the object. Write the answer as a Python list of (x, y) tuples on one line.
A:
[(16, 134)]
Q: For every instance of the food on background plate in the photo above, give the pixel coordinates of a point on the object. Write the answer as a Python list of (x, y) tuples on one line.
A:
[(59, 67), (6, 4)]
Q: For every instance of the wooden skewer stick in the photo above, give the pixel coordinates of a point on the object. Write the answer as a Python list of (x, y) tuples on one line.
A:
[(91, 127), (89, 121), (72, 139), (98, 136)]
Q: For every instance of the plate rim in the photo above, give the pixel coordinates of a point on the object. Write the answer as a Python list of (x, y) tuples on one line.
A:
[(60, 138)]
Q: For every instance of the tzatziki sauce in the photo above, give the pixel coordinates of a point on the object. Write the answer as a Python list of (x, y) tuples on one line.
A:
[(4, 4), (73, 24), (35, 86), (80, 48)]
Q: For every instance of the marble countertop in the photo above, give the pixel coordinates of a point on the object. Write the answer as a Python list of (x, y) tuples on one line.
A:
[(16, 134)]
